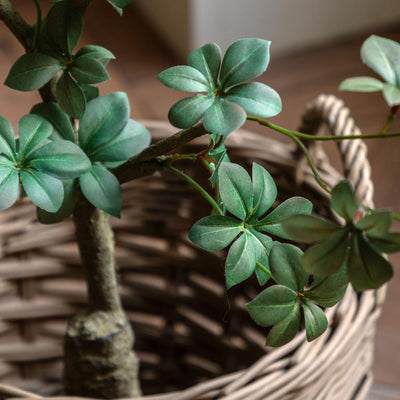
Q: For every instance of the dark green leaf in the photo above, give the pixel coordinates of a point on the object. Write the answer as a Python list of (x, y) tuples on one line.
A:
[(286, 267), (44, 190), (86, 70), (388, 243), (272, 223), (104, 119), (272, 305), (58, 119), (64, 26), (67, 206), (236, 189), (32, 71), (315, 320), (70, 96), (207, 60), (264, 191), (284, 331), (102, 189), (119, 4), (222, 118), (263, 245), (33, 131), (308, 228), (98, 53), (188, 111), (61, 159), (382, 55), (256, 98), (329, 290), (131, 141), (343, 200), (326, 257), (241, 260), (245, 59), (9, 184), (215, 232), (391, 94), (184, 78), (361, 84), (366, 268), (90, 92), (7, 139), (377, 223)]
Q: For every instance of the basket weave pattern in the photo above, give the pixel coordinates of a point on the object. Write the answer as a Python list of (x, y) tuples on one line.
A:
[(194, 340)]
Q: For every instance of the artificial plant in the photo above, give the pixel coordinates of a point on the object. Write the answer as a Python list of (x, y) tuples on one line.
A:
[(76, 148)]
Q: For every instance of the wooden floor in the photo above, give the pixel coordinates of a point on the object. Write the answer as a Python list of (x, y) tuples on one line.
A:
[(298, 77)]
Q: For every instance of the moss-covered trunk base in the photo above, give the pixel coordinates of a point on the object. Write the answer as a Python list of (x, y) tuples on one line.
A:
[(99, 361)]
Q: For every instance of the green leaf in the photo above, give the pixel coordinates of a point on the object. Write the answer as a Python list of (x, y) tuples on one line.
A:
[(241, 260), (215, 232), (33, 131), (119, 4), (58, 119), (64, 26), (70, 96), (326, 257), (7, 139), (284, 331), (256, 98), (382, 55), (102, 189), (286, 267), (388, 243), (32, 71), (61, 159), (245, 59), (207, 60), (187, 112), (376, 223), (9, 185), (130, 141), (361, 84), (90, 92), (44, 190), (86, 70), (264, 191), (184, 78), (329, 290), (104, 119), (366, 268), (315, 320), (343, 200), (66, 208), (235, 189), (391, 95), (272, 305), (222, 117), (308, 228), (263, 244), (98, 53), (272, 223)]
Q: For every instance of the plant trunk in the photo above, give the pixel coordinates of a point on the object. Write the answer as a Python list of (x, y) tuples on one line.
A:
[(99, 361)]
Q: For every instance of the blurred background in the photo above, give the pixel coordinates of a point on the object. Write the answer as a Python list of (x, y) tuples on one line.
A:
[(315, 45)]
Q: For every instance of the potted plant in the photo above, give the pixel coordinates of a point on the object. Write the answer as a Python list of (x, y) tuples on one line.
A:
[(76, 148)]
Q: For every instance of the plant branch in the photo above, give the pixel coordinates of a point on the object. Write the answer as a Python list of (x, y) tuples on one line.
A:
[(15, 23), (146, 162), (305, 136)]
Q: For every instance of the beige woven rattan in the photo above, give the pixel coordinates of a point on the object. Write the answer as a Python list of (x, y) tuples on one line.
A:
[(194, 340)]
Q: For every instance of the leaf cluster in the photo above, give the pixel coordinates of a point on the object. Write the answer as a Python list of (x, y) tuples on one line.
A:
[(357, 245), (382, 56), (225, 97), (52, 57)]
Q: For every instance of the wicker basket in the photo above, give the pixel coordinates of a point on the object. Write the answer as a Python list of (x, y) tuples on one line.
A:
[(194, 340)]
